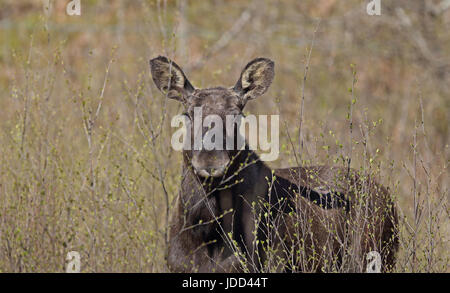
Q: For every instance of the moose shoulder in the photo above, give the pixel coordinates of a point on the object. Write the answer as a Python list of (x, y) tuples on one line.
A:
[(235, 214)]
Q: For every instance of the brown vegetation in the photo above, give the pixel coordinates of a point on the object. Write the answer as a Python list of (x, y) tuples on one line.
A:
[(85, 156)]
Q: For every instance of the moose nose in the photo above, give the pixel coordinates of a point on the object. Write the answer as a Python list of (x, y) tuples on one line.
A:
[(210, 163), (211, 172)]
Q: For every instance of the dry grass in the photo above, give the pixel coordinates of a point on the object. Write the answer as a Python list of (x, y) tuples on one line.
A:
[(85, 156)]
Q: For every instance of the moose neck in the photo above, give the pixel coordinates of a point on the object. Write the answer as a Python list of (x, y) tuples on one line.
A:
[(245, 182), (251, 176), (247, 176), (250, 185)]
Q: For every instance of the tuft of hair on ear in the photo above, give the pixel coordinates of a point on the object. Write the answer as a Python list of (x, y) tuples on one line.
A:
[(255, 79), (170, 78)]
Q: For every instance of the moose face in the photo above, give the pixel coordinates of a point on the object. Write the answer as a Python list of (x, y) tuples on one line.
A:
[(216, 103)]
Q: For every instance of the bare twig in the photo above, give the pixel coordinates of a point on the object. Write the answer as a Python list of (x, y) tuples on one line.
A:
[(226, 37)]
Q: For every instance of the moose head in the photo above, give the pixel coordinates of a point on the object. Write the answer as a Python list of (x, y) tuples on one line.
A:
[(219, 102)]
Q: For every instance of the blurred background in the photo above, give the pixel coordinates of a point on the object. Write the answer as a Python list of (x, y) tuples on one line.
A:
[(85, 157)]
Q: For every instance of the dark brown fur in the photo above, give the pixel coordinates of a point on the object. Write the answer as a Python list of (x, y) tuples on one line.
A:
[(327, 212)]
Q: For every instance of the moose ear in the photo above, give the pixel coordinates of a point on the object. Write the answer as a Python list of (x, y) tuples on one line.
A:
[(255, 79), (170, 79)]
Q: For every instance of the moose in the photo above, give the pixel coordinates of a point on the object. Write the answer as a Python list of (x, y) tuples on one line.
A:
[(235, 214)]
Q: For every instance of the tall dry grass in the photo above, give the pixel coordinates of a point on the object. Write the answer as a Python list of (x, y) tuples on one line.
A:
[(85, 156)]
